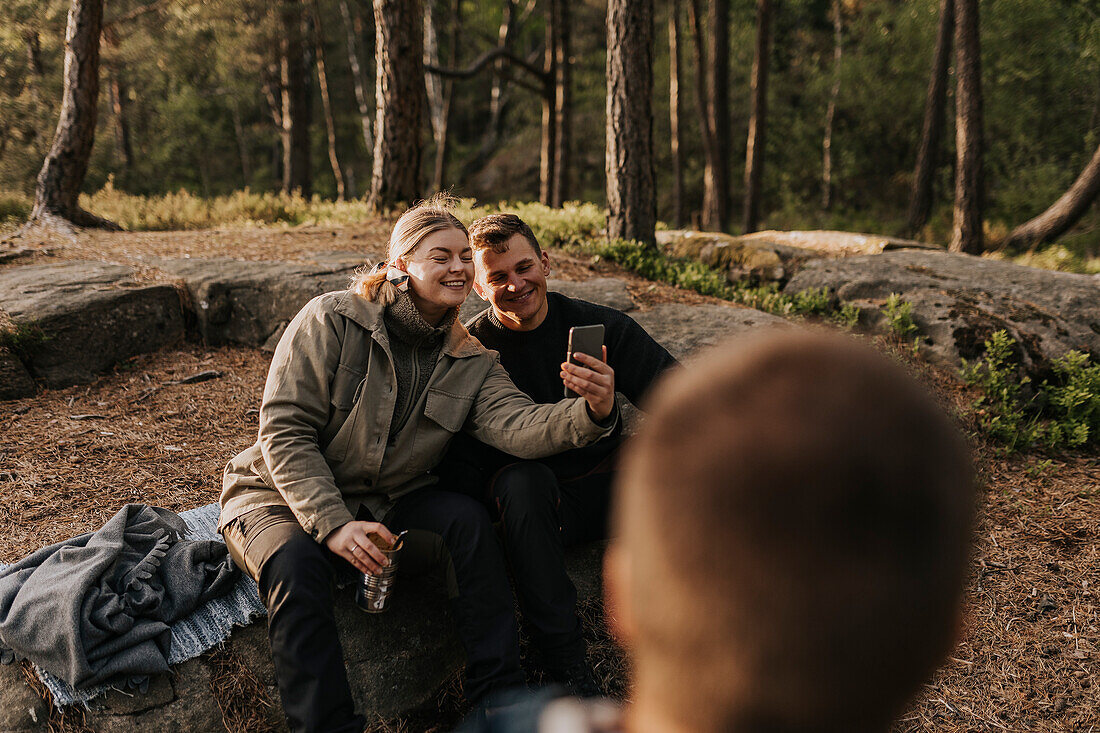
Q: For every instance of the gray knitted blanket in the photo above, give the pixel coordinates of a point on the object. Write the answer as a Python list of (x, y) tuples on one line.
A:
[(137, 600)]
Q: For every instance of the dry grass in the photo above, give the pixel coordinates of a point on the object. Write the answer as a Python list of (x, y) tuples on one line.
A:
[(1027, 657)]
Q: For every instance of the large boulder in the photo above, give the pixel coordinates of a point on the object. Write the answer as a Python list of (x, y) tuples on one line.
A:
[(15, 380), (77, 319), (958, 301), (683, 329), (244, 302), (772, 255)]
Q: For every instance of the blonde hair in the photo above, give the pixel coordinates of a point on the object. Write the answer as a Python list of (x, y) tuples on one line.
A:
[(427, 217)]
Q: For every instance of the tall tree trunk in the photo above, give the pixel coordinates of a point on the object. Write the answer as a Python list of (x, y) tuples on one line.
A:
[(758, 117), (711, 217), (353, 27), (118, 98), (496, 94), (297, 173), (547, 173), (967, 234), (58, 187), (830, 112), (674, 112), (935, 107), (1063, 213), (563, 107), (439, 89), (326, 102), (719, 79), (242, 142), (399, 93), (631, 196)]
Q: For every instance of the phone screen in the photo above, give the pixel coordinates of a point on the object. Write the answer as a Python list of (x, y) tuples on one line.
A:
[(587, 340)]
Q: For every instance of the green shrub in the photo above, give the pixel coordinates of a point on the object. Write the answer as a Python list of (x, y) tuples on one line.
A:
[(1062, 412), (899, 317), (694, 275)]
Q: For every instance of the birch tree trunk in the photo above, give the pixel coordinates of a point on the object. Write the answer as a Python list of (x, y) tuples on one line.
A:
[(631, 197)]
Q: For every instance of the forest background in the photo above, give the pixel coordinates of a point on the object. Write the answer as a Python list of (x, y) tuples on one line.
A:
[(192, 102)]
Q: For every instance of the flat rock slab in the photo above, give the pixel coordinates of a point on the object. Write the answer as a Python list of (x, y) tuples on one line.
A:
[(683, 329), (81, 318), (243, 302), (960, 300), (397, 663), (608, 291)]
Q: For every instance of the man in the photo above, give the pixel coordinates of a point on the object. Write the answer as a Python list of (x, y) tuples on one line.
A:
[(792, 530), (547, 505)]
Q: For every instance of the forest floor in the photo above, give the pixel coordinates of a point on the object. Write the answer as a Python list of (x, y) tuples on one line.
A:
[(70, 458)]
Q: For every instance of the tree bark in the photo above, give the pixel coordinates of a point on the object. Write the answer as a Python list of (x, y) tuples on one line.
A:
[(830, 112), (967, 234), (631, 197), (399, 94), (547, 172), (758, 116), (719, 82), (294, 133), (439, 88), (353, 28), (1063, 213), (326, 102), (242, 142), (674, 113), (935, 106), (58, 186), (563, 107), (711, 217), (118, 98)]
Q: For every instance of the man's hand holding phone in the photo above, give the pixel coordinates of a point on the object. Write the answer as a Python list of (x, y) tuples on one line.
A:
[(586, 375)]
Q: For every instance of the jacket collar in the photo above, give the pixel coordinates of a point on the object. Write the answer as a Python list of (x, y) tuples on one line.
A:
[(368, 314)]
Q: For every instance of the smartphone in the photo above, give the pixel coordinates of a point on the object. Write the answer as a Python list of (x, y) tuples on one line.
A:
[(587, 340)]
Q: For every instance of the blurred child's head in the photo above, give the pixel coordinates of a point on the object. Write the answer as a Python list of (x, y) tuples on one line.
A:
[(792, 524)]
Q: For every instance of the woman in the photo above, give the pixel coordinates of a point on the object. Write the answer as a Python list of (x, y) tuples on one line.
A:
[(365, 390)]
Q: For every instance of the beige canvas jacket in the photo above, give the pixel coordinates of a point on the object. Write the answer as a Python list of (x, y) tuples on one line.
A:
[(324, 446)]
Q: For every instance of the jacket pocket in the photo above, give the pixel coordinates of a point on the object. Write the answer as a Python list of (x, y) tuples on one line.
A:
[(347, 385), (447, 410)]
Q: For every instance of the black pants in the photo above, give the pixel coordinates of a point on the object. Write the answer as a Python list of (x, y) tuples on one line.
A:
[(540, 518), (296, 578)]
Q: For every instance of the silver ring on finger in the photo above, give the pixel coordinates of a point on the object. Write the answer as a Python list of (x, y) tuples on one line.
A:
[(354, 548)]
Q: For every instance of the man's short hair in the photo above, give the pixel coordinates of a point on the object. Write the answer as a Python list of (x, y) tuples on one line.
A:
[(493, 232), (797, 513)]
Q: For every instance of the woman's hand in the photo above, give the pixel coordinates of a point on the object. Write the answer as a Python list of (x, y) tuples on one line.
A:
[(351, 542), (594, 381)]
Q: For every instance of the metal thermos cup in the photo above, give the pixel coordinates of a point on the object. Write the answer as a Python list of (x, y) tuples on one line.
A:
[(374, 589)]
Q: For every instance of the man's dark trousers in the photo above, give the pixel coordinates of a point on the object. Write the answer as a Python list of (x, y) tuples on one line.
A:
[(540, 517)]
